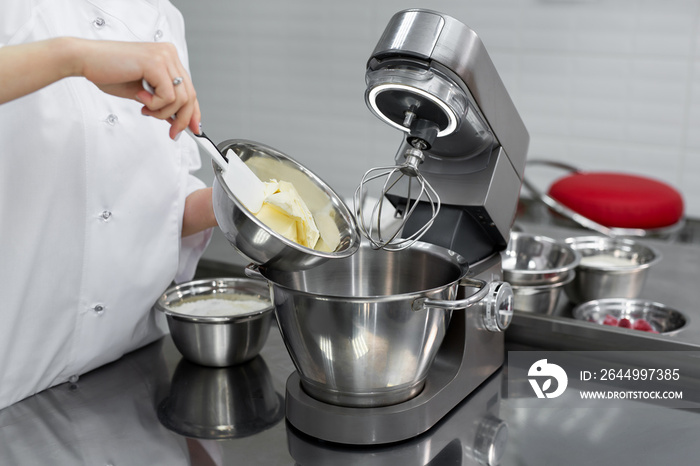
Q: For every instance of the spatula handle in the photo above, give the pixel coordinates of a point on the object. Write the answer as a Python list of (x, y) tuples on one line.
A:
[(208, 145)]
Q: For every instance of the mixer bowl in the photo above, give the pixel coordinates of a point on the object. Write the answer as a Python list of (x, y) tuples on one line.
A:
[(349, 327), (257, 241)]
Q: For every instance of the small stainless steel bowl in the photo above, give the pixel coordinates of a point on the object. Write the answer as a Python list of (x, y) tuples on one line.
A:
[(609, 268), (661, 318), (221, 340), (257, 241), (537, 260), (539, 299)]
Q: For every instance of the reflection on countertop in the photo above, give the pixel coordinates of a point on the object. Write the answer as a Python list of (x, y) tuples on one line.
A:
[(110, 416)]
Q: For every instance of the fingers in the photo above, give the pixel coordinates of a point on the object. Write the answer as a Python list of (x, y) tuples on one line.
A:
[(181, 109)]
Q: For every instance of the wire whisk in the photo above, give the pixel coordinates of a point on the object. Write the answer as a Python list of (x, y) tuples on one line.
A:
[(371, 226)]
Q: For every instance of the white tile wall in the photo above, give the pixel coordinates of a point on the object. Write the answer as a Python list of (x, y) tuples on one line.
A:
[(601, 84)]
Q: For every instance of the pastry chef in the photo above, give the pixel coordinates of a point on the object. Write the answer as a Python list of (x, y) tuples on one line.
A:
[(99, 208)]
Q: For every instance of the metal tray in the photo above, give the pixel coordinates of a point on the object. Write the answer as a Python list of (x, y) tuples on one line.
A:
[(672, 282)]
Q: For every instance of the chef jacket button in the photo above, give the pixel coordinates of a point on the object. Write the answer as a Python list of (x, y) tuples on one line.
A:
[(99, 22), (106, 215), (112, 119), (98, 309), (158, 35), (73, 378)]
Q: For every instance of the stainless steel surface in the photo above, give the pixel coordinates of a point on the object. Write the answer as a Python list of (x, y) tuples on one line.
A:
[(350, 327), (537, 260), (660, 317), (217, 341), (261, 244), (540, 299), (599, 281), (431, 77), (221, 403)]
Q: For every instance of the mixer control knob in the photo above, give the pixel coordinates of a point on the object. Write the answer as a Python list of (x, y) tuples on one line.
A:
[(490, 441), (498, 307)]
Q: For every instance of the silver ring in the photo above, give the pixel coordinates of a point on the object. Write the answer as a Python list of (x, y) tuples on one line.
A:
[(177, 81)]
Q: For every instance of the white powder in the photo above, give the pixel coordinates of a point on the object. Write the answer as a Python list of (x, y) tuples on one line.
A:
[(231, 305), (607, 260)]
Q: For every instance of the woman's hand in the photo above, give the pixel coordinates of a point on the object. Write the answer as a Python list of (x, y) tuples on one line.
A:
[(117, 68)]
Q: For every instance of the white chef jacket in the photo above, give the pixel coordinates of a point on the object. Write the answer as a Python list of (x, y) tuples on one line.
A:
[(91, 201)]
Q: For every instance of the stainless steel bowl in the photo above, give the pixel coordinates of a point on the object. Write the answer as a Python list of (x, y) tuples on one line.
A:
[(349, 326), (257, 241), (539, 299), (610, 268), (661, 318), (217, 341), (221, 403), (537, 260)]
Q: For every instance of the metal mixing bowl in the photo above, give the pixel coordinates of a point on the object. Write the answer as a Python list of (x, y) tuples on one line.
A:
[(349, 326), (621, 273), (539, 299), (661, 318), (537, 260), (217, 341), (257, 241)]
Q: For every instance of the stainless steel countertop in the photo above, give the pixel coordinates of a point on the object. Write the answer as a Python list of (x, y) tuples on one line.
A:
[(111, 415)]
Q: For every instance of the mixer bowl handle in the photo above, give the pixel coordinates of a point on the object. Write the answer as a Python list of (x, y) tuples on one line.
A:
[(423, 303), (495, 298), (253, 271)]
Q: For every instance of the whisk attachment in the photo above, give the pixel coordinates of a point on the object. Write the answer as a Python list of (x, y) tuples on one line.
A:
[(419, 190)]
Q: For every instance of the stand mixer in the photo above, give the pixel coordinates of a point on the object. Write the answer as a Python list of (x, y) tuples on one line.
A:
[(456, 185)]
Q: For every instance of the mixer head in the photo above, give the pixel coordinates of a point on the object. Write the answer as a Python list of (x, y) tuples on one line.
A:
[(461, 163)]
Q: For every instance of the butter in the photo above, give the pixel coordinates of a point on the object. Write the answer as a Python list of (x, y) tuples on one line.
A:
[(285, 212), (330, 236)]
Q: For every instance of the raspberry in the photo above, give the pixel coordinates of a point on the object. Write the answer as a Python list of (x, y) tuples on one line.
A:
[(610, 320), (644, 326), (624, 323)]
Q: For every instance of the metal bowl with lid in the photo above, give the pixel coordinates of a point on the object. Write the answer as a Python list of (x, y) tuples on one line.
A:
[(260, 243)]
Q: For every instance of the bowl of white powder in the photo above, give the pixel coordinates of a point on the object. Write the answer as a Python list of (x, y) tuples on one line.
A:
[(609, 268), (218, 322)]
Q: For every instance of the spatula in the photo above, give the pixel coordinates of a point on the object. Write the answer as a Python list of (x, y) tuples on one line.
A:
[(243, 183), (240, 179)]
